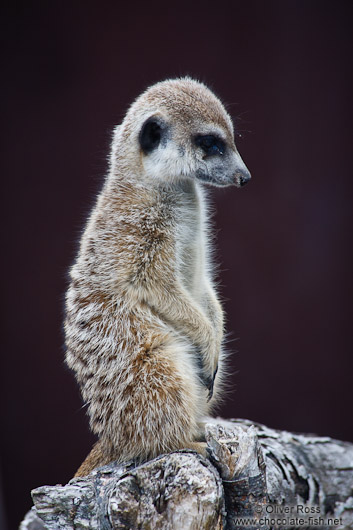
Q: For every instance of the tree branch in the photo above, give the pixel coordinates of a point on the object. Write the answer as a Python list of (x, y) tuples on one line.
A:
[(254, 472)]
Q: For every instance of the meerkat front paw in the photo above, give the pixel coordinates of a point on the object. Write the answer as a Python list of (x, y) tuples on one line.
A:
[(209, 384), (207, 376)]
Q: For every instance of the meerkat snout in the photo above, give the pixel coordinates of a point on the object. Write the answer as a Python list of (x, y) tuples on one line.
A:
[(220, 163), (242, 174)]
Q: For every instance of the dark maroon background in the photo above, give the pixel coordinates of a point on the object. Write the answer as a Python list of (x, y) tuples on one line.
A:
[(285, 69)]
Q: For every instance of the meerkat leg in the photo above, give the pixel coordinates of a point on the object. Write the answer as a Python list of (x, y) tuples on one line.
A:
[(207, 339), (214, 312), (96, 458), (155, 405), (173, 304)]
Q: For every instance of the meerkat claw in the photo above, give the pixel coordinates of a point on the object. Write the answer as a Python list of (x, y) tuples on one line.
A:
[(209, 383)]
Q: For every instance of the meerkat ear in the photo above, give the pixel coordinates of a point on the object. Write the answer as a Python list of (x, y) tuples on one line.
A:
[(151, 134)]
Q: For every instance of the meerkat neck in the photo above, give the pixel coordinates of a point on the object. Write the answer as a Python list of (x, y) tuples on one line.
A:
[(187, 188)]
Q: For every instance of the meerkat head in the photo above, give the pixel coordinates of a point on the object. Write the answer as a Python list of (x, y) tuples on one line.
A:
[(178, 129)]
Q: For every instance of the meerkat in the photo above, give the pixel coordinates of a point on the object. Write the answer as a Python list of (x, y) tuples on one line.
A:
[(144, 326)]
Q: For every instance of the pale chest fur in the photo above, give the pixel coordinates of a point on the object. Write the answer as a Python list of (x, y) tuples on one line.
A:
[(191, 251)]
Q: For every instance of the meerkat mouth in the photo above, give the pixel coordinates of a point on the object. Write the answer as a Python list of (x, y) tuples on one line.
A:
[(201, 175), (221, 181)]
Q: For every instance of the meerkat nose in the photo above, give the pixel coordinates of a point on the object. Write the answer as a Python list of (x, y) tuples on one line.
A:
[(241, 173), (243, 177)]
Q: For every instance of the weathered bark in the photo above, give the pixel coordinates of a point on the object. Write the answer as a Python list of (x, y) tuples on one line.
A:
[(255, 472)]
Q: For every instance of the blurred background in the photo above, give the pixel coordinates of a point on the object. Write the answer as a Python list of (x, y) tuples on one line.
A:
[(284, 68)]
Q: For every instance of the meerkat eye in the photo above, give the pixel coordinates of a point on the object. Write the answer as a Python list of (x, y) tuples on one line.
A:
[(150, 135), (210, 144)]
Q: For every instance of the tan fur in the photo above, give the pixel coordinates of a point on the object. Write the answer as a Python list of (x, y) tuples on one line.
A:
[(144, 326)]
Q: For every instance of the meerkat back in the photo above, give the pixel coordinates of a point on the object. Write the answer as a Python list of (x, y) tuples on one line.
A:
[(144, 326)]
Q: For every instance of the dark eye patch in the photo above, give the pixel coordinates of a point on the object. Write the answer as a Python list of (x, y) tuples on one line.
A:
[(150, 135), (210, 144)]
